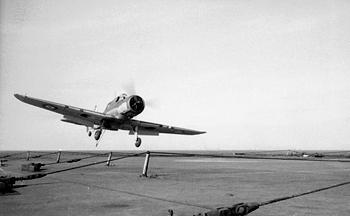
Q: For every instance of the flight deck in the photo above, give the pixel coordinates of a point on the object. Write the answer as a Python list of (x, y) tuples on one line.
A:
[(178, 184)]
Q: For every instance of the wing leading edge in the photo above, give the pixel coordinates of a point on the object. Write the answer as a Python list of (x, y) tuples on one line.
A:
[(71, 114)]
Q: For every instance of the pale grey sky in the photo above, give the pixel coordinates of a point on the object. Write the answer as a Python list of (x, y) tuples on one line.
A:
[(253, 74)]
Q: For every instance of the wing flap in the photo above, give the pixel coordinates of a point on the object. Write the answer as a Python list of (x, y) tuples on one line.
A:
[(77, 121), (145, 132), (160, 128)]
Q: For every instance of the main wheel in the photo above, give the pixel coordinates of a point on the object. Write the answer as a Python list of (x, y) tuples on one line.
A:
[(138, 142), (89, 133), (98, 134)]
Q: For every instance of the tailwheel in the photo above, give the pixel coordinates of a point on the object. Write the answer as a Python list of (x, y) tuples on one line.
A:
[(138, 142), (98, 134)]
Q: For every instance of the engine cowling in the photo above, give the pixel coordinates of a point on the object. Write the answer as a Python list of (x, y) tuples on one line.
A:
[(132, 106), (136, 104)]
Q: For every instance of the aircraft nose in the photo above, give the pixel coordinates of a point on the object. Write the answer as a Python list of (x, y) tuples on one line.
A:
[(136, 103)]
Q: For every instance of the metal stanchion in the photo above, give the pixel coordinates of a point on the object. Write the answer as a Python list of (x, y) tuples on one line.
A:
[(145, 165), (109, 159), (28, 155), (58, 157)]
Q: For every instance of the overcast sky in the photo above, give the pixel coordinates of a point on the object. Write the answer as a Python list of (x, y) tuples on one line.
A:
[(253, 74)]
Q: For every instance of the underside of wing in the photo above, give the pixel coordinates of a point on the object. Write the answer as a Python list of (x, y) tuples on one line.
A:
[(71, 114), (149, 128)]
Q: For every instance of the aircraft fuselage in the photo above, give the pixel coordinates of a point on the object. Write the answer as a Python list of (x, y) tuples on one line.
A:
[(125, 107)]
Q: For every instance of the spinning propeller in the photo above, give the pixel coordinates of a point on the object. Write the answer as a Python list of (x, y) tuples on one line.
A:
[(129, 89)]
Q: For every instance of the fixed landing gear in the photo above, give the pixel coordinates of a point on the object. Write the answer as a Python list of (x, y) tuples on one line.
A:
[(89, 131), (98, 134), (138, 142), (97, 131), (138, 139)]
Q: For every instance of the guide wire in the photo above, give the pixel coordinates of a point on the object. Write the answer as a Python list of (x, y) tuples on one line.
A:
[(19, 153), (10, 155), (94, 163), (40, 175), (134, 193), (41, 155), (181, 154), (82, 152), (77, 159), (302, 194), (245, 208)]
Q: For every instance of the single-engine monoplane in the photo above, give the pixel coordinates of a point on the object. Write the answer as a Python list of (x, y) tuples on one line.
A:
[(118, 115)]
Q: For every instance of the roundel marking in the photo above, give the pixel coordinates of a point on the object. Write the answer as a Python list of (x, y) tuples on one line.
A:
[(49, 107)]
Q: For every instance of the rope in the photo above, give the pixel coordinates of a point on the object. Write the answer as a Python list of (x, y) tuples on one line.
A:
[(302, 194), (10, 155), (135, 194), (40, 175), (179, 154), (80, 152), (94, 163), (77, 159), (34, 156), (38, 156)]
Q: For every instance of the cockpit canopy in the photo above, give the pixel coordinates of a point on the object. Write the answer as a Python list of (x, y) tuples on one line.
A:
[(121, 97)]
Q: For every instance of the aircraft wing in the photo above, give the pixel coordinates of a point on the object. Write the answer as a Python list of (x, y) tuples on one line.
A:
[(71, 114), (149, 128)]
